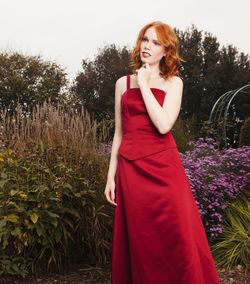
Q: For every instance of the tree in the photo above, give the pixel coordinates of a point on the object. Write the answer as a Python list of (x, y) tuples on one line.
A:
[(207, 73), (191, 51), (95, 85), (29, 80)]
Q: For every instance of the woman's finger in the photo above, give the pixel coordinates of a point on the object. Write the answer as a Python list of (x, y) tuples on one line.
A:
[(110, 197)]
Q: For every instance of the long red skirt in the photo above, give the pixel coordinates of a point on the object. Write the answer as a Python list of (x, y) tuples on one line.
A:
[(158, 235)]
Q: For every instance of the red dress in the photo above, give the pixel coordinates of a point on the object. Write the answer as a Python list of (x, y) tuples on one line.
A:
[(158, 236)]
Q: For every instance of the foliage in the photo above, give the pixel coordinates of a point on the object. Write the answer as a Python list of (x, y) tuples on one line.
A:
[(29, 80), (209, 71), (52, 206), (47, 212), (53, 212), (94, 86), (184, 131), (216, 178), (233, 246), (245, 133)]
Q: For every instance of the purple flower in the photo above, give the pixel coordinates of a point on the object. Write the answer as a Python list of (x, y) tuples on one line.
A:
[(216, 177)]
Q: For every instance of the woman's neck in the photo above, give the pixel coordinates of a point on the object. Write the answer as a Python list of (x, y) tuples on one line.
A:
[(155, 72)]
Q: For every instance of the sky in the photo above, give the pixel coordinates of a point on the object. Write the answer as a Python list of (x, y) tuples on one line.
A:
[(66, 31)]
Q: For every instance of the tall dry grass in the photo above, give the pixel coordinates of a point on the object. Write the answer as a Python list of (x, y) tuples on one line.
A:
[(48, 126), (62, 150)]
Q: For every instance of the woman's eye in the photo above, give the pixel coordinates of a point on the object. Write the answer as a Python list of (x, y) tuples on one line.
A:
[(155, 42)]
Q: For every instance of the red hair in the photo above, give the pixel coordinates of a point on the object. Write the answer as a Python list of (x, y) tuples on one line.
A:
[(169, 64)]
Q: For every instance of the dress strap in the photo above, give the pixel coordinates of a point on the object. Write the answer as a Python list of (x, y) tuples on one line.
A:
[(128, 82)]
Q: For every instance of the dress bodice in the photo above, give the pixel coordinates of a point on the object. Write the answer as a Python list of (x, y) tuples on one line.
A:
[(140, 137)]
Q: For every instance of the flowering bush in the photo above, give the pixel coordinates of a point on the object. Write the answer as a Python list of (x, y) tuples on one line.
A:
[(216, 177), (51, 213)]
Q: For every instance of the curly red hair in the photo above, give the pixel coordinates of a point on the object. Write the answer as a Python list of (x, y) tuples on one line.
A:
[(169, 64)]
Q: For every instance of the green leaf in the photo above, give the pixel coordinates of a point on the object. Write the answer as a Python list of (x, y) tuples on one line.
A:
[(53, 215), (71, 211), (2, 224), (33, 217), (13, 192), (58, 235), (39, 230), (47, 171), (12, 218), (67, 185), (4, 175), (3, 182), (16, 232)]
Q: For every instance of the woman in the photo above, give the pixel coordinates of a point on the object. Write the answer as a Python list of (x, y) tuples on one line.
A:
[(158, 235)]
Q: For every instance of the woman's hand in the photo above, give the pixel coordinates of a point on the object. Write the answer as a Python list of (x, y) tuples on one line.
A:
[(143, 74), (110, 192)]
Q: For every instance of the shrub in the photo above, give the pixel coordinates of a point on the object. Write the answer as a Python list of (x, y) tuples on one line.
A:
[(216, 178), (52, 207), (233, 246)]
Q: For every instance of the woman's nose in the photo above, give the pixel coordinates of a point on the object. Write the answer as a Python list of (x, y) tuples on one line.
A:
[(148, 44)]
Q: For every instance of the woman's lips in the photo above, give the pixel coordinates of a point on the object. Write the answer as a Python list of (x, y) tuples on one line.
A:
[(145, 54)]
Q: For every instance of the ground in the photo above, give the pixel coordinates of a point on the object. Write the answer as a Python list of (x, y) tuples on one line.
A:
[(101, 276)]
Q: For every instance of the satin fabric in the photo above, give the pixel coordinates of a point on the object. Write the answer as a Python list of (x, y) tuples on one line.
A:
[(140, 136), (158, 235)]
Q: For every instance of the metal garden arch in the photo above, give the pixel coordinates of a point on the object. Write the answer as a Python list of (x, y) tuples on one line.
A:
[(221, 111)]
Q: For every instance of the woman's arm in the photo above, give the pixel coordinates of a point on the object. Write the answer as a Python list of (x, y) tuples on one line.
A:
[(113, 157), (110, 185), (119, 86), (164, 117)]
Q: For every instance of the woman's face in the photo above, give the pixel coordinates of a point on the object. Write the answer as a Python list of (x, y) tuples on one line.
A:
[(151, 50)]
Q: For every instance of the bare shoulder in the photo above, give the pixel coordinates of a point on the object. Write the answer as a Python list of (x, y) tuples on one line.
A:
[(120, 84), (175, 81), (121, 80), (174, 87)]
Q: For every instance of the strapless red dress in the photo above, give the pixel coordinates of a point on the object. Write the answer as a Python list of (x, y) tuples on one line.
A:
[(158, 235)]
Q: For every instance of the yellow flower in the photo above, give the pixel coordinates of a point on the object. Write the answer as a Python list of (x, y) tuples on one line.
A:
[(23, 195)]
